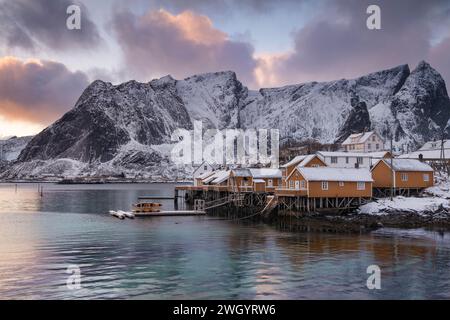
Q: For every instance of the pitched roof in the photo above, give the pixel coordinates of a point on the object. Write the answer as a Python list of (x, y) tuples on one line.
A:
[(358, 137), (205, 175), (336, 174), (216, 175), (294, 161), (258, 173), (221, 177), (406, 165), (378, 154), (242, 172), (426, 154), (435, 145), (342, 154)]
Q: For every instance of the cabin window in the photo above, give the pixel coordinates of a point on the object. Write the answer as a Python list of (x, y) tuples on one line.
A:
[(426, 177), (369, 146), (291, 184), (315, 166), (341, 183), (404, 176), (302, 184), (373, 138), (361, 186), (346, 159), (333, 159), (377, 146), (324, 185), (359, 160), (205, 168)]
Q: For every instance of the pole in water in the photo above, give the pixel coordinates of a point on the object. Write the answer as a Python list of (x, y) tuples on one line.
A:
[(42, 191)]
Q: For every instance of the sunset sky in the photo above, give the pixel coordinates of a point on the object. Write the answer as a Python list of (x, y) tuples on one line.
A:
[(44, 67)]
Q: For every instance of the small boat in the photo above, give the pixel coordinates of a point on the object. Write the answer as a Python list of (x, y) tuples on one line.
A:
[(146, 207), (117, 214), (126, 214)]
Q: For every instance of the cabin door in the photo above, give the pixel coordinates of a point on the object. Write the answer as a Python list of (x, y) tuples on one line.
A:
[(270, 183), (297, 185)]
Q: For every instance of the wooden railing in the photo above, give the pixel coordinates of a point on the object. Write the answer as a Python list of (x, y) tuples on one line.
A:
[(290, 192)]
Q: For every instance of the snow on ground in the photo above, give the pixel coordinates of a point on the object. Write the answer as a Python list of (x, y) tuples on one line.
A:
[(406, 205), (440, 189)]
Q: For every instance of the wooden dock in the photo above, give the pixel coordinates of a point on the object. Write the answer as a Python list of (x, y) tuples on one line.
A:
[(171, 213), (155, 198)]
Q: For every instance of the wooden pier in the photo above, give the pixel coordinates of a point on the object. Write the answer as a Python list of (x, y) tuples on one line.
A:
[(172, 213)]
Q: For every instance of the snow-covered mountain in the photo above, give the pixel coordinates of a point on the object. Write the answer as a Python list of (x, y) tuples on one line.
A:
[(125, 129), (10, 148)]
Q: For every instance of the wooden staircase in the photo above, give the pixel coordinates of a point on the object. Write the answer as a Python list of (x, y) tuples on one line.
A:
[(271, 204)]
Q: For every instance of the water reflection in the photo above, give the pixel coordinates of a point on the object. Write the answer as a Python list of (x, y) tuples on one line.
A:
[(197, 257)]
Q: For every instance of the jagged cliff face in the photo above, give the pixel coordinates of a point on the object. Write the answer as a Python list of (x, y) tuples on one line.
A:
[(127, 127)]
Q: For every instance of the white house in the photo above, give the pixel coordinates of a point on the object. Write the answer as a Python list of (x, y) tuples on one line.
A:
[(352, 159), (435, 145), (201, 170), (363, 142), (345, 159)]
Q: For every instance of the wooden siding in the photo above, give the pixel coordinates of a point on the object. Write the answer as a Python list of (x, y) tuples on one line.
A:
[(314, 188), (382, 176)]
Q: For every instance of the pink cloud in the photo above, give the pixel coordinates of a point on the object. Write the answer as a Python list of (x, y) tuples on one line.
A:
[(159, 43), (37, 91)]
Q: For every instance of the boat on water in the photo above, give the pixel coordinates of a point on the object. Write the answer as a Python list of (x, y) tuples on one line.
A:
[(117, 214), (144, 207)]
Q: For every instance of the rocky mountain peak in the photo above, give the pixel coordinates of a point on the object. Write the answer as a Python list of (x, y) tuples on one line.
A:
[(127, 127)]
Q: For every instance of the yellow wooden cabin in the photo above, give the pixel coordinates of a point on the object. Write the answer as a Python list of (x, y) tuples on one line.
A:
[(408, 174), (310, 160), (326, 182)]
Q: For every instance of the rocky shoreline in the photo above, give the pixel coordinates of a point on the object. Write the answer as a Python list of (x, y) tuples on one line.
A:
[(361, 223)]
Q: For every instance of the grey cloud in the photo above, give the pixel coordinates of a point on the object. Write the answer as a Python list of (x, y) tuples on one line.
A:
[(338, 44), (26, 24), (38, 91)]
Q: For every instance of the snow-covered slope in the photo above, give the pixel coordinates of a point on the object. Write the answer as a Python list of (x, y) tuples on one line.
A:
[(125, 129), (10, 148), (319, 110)]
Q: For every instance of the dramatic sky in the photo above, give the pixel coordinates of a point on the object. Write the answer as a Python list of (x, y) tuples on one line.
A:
[(44, 67)]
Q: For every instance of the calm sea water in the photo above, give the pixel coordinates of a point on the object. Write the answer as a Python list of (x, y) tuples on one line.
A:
[(196, 257)]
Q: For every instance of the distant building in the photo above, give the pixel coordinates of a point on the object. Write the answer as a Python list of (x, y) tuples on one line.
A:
[(345, 159), (432, 154), (435, 145), (363, 142), (201, 170)]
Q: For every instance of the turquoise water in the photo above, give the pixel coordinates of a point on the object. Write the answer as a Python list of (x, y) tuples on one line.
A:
[(196, 257)]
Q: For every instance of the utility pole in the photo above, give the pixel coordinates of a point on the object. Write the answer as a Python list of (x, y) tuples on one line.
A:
[(392, 169), (443, 161)]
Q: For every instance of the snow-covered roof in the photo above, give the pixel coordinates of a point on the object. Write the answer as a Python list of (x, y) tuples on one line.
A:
[(377, 155), (258, 181), (222, 176), (258, 173), (435, 145), (358, 137), (294, 161), (426, 154), (242, 172), (342, 154), (336, 174), (215, 175), (407, 165), (205, 175)]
